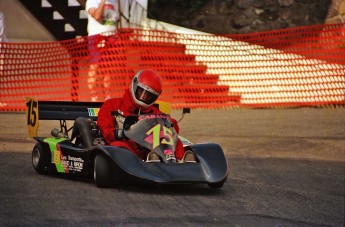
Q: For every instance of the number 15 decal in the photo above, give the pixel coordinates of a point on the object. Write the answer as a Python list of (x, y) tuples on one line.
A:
[(156, 133), (32, 116)]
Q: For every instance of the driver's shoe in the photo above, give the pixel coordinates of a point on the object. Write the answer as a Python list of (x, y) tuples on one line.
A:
[(153, 157), (188, 157)]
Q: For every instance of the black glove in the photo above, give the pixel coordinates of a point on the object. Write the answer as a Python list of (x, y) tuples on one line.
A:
[(129, 121), (168, 124), (119, 134)]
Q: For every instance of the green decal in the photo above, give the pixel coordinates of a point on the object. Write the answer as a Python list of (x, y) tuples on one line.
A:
[(55, 153), (155, 130)]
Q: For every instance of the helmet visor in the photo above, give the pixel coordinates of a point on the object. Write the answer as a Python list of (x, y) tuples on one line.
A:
[(145, 96)]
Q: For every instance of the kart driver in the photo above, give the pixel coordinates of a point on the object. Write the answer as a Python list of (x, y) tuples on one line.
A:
[(145, 88)]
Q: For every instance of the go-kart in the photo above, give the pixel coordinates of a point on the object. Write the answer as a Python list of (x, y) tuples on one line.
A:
[(108, 164)]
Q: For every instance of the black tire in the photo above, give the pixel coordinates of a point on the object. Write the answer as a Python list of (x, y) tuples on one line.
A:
[(102, 171), (39, 158), (218, 184)]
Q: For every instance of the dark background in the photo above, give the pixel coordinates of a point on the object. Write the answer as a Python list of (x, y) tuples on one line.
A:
[(239, 16)]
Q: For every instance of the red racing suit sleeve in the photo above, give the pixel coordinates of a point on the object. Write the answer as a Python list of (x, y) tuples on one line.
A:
[(106, 121)]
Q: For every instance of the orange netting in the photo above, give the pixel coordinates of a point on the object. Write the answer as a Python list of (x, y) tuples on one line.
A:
[(292, 67)]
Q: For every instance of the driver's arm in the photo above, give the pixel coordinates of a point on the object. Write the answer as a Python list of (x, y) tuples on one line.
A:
[(97, 12), (105, 120), (175, 124)]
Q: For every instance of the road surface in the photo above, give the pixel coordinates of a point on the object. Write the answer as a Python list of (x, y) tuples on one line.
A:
[(286, 168)]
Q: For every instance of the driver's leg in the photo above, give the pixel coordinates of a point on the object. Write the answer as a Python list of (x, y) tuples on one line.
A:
[(131, 146), (179, 150)]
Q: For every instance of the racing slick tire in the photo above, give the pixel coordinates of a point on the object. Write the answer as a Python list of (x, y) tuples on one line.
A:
[(39, 158), (102, 171)]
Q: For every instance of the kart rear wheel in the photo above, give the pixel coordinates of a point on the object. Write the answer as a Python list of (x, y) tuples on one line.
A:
[(39, 159), (102, 171)]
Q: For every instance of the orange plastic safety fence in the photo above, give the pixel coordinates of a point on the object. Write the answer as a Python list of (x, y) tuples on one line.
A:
[(293, 67)]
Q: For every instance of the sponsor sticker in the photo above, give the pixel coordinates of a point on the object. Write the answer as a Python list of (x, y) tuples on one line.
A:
[(63, 163), (57, 156), (93, 112)]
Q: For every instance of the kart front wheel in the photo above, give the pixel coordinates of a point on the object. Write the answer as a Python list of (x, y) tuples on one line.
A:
[(102, 171), (39, 159), (218, 184)]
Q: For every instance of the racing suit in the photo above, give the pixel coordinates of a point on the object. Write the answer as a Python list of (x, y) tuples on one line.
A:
[(111, 117)]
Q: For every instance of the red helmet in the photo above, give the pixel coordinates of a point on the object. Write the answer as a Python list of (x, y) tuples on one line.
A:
[(145, 88)]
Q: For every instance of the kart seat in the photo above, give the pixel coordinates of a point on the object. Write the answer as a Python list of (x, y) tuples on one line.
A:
[(82, 132)]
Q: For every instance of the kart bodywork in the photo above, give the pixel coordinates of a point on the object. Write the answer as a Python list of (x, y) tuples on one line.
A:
[(109, 164)]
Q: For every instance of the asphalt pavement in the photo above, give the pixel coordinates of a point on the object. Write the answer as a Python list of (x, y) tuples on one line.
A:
[(286, 168)]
